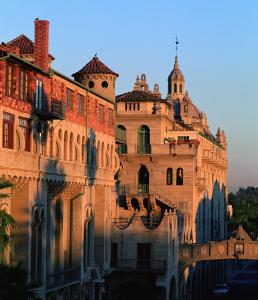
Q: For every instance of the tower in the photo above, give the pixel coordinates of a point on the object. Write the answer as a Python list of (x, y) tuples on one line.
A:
[(97, 77), (176, 82)]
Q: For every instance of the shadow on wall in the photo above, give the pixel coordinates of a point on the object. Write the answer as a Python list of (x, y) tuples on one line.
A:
[(211, 216)]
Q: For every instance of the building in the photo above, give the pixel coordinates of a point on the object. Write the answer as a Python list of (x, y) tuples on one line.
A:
[(169, 161), (57, 147)]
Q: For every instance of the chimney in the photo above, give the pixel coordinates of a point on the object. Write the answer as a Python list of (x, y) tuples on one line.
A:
[(41, 58)]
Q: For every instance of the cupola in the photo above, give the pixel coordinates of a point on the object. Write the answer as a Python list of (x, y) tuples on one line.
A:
[(176, 82), (96, 76)]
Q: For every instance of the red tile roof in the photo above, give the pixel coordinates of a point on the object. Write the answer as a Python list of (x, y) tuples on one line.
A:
[(24, 43), (138, 96), (95, 66)]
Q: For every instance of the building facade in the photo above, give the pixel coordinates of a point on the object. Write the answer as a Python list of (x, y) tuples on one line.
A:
[(169, 160), (57, 147)]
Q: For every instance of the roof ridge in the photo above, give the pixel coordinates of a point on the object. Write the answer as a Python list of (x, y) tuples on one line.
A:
[(22, 35)]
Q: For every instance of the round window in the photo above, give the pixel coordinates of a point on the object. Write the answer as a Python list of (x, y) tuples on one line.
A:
[(91, 84), (104, 84)]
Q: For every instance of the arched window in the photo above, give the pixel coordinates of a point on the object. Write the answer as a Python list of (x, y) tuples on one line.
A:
[(186, 108), (181, 88), (169, 176), (83, 149), (65, 145), (143, 180), (71, 147), (175, 88), (179, 176), (38, 220), (144, 146), (102, 154)]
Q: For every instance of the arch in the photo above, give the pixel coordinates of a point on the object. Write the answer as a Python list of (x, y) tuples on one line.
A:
[(102, 154), (58, 150), (78, 139), (172, 289), (169, 176), (111, 156), (108, 157), (143, 180), (181, 88), (60, 134), (179, 176), (135, 204), (37, 238), (51, 142), (144, 140), (83, 150), (65, 144), (71, 147)]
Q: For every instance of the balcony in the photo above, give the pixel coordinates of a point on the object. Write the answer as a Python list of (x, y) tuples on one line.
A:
[(133, 189), (144, 149), (63, 278), (49, 109), (141, 265), (121, 149)]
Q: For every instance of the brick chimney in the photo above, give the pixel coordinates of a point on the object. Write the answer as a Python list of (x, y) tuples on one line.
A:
[(41, 58)]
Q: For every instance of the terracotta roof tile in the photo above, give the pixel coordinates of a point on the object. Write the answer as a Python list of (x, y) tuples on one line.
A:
[(24, 43), (95, 66), (136, 96)]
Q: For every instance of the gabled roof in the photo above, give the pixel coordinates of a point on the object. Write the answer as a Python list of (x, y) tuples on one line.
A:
[(24, 43), (138, 96), (95, 66)]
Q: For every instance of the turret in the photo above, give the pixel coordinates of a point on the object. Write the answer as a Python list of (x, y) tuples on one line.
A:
[(98, 77)]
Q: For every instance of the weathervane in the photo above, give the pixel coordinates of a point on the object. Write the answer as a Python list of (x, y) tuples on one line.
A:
[(177, 43)]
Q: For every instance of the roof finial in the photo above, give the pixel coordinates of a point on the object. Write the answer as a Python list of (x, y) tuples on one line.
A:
[(177, 43), (96, 55)]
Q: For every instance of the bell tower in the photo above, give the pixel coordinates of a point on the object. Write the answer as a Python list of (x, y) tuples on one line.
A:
[(176, 82)]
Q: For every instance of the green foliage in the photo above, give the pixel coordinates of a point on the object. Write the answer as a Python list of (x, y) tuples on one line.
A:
[(245, 210), (7, 223)]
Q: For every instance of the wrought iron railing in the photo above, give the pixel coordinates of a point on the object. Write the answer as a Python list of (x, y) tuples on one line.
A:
[(121, 149), (142, 189), (63, 277), (49, 109), (144, 149)]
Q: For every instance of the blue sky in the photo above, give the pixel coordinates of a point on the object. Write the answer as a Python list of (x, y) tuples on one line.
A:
[(218, 55)]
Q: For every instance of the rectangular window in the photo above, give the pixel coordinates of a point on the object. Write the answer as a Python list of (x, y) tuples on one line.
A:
[(23, 88), (101, 113), (26, 129), (9, 80), (110, 117), (39, 94), (8, 128), (80, 102), (69, 99)]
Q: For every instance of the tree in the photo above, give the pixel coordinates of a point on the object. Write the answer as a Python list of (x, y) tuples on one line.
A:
[(7, 223)]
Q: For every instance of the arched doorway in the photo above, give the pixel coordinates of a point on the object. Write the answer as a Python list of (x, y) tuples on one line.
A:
[(144, 146), (143, 180), (172, 290)]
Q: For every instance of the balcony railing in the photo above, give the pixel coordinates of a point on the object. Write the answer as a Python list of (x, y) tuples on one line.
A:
[(64, 277), (121, 149), (133, 189), (50, 110), (149, 265), (144, 149)]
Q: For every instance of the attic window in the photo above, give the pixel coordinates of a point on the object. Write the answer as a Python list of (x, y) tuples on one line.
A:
[(104, 84), (91, 84)]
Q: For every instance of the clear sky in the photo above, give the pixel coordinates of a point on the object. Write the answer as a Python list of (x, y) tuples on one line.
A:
[(218, 54)]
